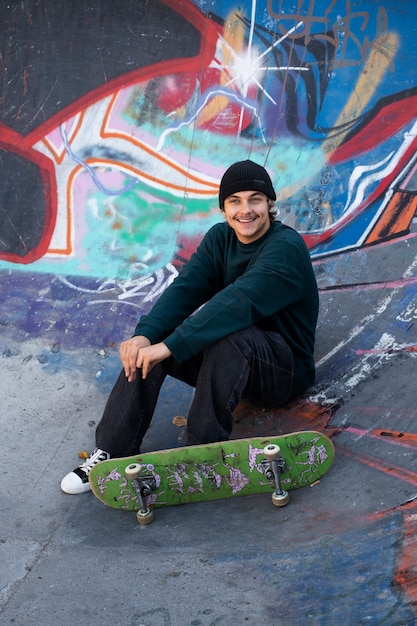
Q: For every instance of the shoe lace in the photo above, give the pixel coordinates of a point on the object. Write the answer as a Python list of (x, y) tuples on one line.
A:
[(94, 458)]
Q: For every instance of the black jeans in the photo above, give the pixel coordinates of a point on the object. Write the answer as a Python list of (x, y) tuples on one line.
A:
[(253, 364)]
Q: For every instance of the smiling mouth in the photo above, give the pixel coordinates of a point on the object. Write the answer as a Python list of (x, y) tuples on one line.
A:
[(245, 220)]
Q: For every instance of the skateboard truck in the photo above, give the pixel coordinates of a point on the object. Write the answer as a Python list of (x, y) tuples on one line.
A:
[(274, 465), (143, 485)]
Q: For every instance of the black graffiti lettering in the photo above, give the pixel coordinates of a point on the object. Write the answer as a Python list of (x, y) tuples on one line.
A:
[(346, 33)]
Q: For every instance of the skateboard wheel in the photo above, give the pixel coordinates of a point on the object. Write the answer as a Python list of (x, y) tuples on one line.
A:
[(133, 471), (144, 517), (272, 452), (280, 499)]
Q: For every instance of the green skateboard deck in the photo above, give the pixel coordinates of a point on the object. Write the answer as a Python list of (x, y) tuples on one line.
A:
[(213, 471)]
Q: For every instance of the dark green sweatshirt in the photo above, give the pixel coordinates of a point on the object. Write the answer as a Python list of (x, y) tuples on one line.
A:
[(269, 283)]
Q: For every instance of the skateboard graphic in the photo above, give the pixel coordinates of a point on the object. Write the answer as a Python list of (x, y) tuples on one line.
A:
[(212, 471)]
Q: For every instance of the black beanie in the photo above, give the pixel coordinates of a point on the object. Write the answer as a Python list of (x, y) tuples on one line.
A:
[(245, 176)]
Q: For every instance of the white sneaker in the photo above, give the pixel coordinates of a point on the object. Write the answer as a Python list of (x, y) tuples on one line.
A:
[(77, 481)]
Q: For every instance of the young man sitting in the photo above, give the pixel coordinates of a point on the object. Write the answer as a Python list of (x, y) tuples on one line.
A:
[(238, 322)]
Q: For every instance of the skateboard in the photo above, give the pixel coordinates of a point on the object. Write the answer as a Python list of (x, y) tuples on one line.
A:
[(212, 471)]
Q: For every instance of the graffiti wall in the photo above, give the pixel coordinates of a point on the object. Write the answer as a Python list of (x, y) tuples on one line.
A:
[(117, 120)]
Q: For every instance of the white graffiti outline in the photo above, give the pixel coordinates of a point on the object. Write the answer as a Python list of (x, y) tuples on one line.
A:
[(131, 287)]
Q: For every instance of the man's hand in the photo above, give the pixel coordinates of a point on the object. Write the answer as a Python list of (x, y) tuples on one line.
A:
[(129, 352), (150, 356), (138, 352)]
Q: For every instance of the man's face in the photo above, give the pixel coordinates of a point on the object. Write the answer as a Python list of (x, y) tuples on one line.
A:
[(247, 212)]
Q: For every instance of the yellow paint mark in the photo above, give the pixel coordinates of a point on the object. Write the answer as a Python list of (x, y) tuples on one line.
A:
[(382, 52), (234, 37)]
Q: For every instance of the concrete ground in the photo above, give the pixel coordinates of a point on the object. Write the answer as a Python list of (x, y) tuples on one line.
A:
[(344, 551)]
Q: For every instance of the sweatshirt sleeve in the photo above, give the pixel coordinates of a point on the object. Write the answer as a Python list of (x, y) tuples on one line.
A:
[(195, 285)]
